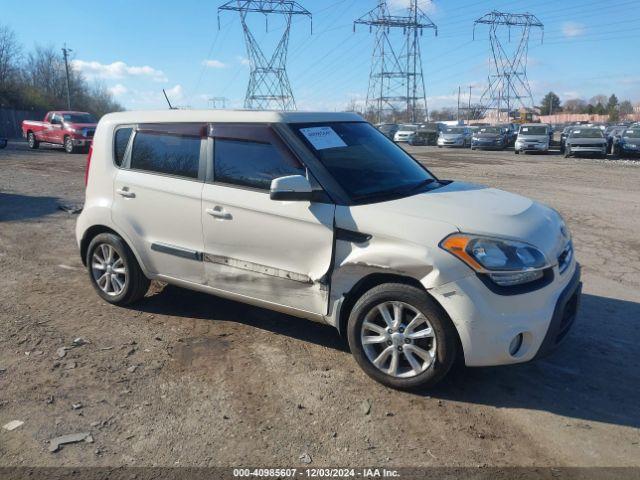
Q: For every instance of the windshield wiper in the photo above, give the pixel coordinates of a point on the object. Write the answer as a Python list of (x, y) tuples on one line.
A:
[(420, 185)]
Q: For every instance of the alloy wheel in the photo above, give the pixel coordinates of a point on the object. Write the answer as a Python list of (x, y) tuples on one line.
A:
[(398, 339), (108, 270)]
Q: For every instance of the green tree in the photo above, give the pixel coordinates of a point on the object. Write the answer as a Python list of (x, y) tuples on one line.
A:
[(612, 104), (550, 104), (600, 110)]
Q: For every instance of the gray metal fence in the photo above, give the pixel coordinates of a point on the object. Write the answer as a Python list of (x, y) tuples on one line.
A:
[(11, 121)]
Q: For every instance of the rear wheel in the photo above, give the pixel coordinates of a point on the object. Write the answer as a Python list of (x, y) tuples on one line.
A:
[(68, 145), (400, 338), (31, 140), (114, 270)]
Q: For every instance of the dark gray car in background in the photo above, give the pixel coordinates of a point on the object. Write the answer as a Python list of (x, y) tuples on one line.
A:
[(586, 141), (489, 138)]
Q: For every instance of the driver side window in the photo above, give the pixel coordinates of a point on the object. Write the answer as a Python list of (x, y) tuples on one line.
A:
[(251, 156)]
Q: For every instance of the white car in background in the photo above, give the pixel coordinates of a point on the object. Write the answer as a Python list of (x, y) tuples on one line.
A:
[(405, 133), (532, 137), (320, 216)]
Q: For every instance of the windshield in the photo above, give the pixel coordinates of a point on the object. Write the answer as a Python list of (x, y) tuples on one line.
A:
[(408, 128), (364, 162), (586, 133), (635, 133), (534, 130), (457, 131), (490, 130), (79, 118)]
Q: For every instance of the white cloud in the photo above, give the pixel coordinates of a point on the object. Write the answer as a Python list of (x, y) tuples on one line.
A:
[(573, 29), (244, 61), (427, 6), (214, 64), (175, 93), (117, 70), (118, 90)]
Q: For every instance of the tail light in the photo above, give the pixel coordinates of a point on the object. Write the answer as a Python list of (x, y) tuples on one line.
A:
[(86, 172)]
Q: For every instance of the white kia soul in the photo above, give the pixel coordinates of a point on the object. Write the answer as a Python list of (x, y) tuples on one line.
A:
[(320, 216)]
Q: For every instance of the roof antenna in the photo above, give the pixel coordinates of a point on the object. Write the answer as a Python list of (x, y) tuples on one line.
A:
[(167, 98)]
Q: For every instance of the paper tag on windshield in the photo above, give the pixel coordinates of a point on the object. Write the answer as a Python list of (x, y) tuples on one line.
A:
[(525, 129), (323, 137)]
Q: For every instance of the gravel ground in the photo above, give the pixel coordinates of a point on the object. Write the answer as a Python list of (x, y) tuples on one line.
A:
[(193, 380)]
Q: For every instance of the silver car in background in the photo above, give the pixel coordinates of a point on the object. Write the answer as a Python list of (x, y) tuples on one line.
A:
[(455, 137), (532, 137), (405, 133)]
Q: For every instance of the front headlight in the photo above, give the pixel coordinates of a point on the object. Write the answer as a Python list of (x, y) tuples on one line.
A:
[(506, 262)]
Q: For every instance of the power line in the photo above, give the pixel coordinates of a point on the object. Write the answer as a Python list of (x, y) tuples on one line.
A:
[(397, 78), (269, 86)]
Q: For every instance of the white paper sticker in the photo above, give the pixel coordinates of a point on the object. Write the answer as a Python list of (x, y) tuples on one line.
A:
[(577, 131), (323, 137), (525, 129), (629, 131)]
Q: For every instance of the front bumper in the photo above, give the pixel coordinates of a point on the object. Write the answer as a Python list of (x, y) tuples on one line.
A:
[(451, 143), (487, 322), (597, 150), (487, 145), (532, 147), (82, 141)]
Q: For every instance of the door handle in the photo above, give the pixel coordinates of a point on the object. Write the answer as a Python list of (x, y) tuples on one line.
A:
[(124, 192), (219, 212)]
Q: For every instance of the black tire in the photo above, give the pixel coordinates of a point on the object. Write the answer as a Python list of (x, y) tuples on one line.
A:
[(136, 283), (69, 147), (32, 142), (445, 334), (567, 152), (517, 152)]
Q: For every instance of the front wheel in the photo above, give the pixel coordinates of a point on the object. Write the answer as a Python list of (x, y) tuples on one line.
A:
[(114, 270), (68, 145), (400, 337), (567, 151), (32, 141)]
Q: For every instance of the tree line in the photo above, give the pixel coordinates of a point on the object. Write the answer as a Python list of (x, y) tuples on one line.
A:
[(36, 80), (599, 104)]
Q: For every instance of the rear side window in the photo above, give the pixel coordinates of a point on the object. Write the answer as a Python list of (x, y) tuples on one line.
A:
[(167, 153), (120, 143), (251, 156)]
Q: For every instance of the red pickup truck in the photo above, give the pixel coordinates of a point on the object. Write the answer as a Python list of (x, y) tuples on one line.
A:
[(73, 130)]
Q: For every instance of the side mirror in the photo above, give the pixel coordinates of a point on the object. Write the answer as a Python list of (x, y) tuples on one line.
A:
[(292, 188)]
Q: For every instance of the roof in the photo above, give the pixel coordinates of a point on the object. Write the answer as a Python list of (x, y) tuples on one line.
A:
[(228, 116)]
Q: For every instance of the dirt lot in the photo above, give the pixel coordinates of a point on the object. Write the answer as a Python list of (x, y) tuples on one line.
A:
[(192, 380)]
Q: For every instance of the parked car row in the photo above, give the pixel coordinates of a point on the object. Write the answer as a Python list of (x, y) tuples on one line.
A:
[(585, 139)]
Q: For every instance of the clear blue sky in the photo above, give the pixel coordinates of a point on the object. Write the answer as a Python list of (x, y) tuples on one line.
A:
[(136, 48)]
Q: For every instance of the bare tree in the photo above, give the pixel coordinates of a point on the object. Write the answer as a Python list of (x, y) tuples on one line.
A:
[(10, 56), (575, 105)]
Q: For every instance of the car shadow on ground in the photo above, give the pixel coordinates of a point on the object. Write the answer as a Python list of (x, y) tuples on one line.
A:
[(180, 302), (593, 376), (14, 207)]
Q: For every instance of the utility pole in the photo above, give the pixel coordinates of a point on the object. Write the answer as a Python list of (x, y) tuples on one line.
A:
[(458, 115), (469, 109), (396, 81), (269, 87), (65, 54), (508, 83)]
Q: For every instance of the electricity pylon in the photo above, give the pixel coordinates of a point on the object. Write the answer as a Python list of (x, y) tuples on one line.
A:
[(508, 86), (269, 87), (396, 82)]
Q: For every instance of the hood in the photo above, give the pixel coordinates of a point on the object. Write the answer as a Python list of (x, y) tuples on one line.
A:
[(490, 136), (452, 136), (476, 209)]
